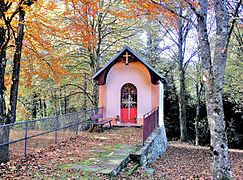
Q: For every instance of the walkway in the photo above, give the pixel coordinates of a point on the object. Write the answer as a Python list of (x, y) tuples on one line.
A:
[(109, 160)]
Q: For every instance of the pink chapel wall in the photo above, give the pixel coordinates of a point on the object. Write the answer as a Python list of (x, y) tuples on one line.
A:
[(102, 98), (120, 74), (155, 96)]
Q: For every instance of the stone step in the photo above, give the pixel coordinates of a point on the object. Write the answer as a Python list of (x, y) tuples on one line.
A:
[(110, 160)]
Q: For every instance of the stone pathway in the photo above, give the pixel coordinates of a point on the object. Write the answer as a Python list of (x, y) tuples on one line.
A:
[(108, 160)]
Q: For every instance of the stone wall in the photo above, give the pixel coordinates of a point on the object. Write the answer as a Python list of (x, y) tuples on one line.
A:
[(154, 147)]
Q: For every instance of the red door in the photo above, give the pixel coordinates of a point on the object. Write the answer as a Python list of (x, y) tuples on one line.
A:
[(128, 103)]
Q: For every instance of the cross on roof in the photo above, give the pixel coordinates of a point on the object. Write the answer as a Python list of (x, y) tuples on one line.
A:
[(127, 56)]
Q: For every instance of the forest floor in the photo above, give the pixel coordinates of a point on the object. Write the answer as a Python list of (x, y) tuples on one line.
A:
[(181, 161)]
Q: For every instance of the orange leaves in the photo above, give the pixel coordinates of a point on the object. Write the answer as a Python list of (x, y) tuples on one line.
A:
[(152, 10), (42, 66), (82, 14), (26, 8), (51, 6), (41, 59), (124, 15), (142, 7)]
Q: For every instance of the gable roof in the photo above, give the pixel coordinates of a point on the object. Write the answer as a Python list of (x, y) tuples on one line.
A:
[(100, 76)]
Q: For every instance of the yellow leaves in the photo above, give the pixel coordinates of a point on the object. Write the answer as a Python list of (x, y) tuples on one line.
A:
[(25, 7), (12, 1), (2, 23), (7, 81), (11, 13)]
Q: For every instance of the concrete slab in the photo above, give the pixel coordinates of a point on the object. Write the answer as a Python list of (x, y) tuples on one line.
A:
[(108, 160)]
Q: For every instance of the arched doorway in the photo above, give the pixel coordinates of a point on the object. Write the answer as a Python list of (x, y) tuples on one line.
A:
[(128, 103)]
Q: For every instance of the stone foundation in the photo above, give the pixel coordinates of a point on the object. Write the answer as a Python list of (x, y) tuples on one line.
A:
[(154, 147)]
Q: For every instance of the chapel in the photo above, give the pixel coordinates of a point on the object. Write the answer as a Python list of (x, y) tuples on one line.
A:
[(129, 87)]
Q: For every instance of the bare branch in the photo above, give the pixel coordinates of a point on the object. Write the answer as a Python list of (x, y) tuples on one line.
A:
[(173, 11), (115, 42), (190, 58), (233, 22)]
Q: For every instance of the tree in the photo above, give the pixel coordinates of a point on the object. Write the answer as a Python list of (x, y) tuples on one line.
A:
[(212, 70), (233, 71), (178, 34), (176, 30), (96, 32), (60, 47), (196, 80), (11, 36), (213, 75)]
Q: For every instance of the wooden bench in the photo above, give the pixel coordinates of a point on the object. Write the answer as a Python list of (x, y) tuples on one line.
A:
[(97, 120)]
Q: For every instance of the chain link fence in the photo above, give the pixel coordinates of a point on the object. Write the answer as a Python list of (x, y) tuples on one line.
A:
[(22, 138)]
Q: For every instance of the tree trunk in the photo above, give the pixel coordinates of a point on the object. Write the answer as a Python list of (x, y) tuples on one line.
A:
[(182, 88), (60, 101), (197, 115), (16, 68), (4, 150), (55, 102), (41, 108), (94, 68), (182, 107), (85, 93), (65, 101), (34, 107), (6, 35), (11, 116), (95, 94), (213, 79), (45, 107), (3, 61)]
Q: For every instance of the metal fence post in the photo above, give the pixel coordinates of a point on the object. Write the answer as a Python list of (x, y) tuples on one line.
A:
[(25, 139), (45, 126)]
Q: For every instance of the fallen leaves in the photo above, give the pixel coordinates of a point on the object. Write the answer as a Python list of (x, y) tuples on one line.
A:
[(181, 161), (44, 162)]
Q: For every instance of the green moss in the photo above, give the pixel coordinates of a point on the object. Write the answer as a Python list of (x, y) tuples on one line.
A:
[(64, 166), (86, 162), (102, 160), (117, 146), (112, 147)]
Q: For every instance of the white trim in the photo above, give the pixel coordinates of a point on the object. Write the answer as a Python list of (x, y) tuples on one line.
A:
[(161, 104), (146, 64)]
